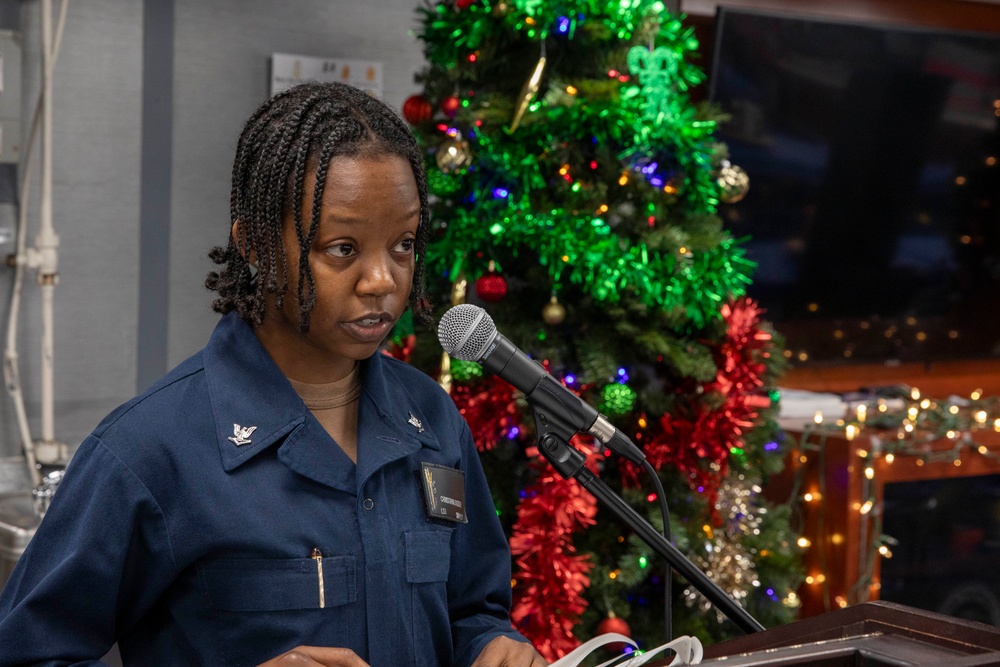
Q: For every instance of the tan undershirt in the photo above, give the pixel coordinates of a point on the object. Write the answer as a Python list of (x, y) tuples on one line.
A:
[(335, 406)]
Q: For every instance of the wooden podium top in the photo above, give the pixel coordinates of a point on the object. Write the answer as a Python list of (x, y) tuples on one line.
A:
[(870, 634)]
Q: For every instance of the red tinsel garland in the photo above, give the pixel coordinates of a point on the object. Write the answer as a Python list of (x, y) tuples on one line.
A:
[(488, 407), (697, 438), (551, 576)]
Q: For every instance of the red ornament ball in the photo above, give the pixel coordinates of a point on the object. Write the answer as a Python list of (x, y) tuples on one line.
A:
[(416, 110), (450, 106), (614, 624), (464, 4), (492, 287)]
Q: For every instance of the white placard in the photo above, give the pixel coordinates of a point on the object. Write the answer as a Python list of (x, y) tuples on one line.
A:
[(288, 70)]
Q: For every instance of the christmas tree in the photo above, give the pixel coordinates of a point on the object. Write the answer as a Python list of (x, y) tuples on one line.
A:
[(575, 189)]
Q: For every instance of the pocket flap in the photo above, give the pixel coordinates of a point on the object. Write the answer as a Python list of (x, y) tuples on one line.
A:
[(251, 584), (428, 555)]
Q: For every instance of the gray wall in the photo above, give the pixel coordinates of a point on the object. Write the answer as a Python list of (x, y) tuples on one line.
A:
[(220, 65)]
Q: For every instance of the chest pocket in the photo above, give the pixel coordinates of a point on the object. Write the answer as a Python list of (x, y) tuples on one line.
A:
[(428, 562), (428, 556), (239, 584)]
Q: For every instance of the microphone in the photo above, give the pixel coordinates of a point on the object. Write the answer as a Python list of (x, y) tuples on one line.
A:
[(467, 332)]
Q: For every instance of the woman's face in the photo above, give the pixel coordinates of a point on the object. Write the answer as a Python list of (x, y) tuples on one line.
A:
[(362, 261)]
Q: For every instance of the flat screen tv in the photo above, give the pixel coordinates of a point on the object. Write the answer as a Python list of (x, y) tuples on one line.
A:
[(874, 204)]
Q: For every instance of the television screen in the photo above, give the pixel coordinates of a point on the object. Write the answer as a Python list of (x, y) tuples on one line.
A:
[(872, 211)]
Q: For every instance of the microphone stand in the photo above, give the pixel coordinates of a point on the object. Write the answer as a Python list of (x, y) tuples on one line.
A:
[(553, 443)]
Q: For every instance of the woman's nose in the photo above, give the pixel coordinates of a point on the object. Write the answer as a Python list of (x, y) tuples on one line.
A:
[(376, 277)]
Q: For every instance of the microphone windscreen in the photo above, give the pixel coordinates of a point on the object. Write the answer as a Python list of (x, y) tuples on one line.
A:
[(465, 331)]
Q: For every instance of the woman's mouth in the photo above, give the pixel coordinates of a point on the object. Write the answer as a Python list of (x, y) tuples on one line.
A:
[(370, 328)]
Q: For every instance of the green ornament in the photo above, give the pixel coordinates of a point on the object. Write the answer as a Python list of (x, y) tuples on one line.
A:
[(657, 71), (465, 371), (617, 399)]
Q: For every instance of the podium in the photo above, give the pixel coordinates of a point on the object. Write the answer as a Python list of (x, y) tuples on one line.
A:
[(873, 634)]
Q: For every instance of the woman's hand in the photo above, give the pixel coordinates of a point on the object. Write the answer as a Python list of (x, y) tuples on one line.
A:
[(315, 656), (507, 652)]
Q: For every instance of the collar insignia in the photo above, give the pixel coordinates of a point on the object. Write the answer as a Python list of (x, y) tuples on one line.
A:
[(241, 435), (415, 423)]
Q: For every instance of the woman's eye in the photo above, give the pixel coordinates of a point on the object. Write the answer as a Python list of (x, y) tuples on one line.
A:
[(405, 246), (341, 250)]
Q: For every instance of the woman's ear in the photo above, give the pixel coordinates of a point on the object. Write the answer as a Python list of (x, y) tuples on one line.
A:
[(243, 245)]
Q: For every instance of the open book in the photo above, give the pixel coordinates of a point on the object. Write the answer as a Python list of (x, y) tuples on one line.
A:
[(688, 649)]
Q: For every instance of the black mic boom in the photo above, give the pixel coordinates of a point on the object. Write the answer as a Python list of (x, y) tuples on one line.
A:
[(467, 332)]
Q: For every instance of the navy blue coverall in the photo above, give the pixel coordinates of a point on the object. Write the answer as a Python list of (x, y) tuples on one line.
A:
[(191, 544)]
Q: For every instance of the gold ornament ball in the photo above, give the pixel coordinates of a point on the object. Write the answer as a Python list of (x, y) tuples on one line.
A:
[(735, 183), (454, 155), (554, 312)]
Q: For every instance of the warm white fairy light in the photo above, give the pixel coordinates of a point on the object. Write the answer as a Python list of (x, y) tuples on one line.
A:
[(926, 432)]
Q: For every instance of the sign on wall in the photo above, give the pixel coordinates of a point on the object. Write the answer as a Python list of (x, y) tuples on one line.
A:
[(288, 70)]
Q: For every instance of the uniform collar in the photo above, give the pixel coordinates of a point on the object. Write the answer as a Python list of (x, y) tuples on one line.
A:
[(248, 391)]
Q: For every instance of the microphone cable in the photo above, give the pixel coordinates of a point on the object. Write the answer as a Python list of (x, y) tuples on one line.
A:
[(668, 572)]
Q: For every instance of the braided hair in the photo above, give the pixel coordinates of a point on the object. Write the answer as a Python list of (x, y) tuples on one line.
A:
[(295, 132)]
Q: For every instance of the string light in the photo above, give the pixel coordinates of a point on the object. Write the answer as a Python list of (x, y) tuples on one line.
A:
[(907, 424)]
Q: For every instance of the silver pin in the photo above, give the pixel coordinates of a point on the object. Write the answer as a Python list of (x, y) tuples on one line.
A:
[(415, 423), (241, 436)]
